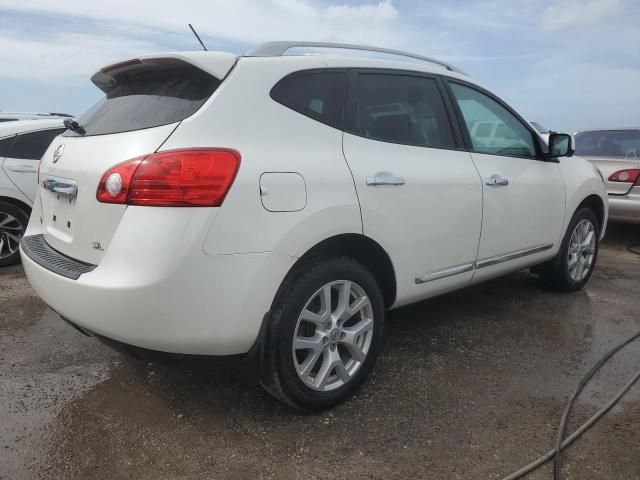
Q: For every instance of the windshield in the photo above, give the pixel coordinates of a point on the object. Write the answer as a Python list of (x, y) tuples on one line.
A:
[(609, 143)]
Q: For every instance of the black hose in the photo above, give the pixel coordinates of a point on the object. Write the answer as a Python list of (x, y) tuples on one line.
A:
[(585, 426), (557, 465)]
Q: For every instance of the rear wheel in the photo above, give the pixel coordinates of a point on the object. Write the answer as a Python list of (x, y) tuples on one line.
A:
[(13, 222), (325, 333), (572, 267)]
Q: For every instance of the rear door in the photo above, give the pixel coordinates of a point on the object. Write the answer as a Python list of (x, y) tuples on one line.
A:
[(420, 194), (524, 196), (21, 162), (144, 103)]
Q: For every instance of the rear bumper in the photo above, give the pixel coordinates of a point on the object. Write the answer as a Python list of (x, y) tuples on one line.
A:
[(195, 304), (625, 208)]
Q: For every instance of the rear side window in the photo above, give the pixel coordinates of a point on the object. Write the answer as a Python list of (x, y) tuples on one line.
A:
[(32, 145), (318, 95), (149, 98), (401, 109)]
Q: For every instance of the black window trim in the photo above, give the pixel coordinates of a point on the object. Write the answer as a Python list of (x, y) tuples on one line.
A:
[(540, 155), (350, 115), (307, 113)]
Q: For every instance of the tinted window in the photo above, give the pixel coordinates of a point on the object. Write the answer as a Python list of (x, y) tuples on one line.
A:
[(401, 109), (493, 129), (320, 95), (5, 144), (33, 145), (609, 143), (149, 98)]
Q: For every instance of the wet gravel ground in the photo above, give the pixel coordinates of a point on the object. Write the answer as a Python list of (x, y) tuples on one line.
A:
[(470, 385)]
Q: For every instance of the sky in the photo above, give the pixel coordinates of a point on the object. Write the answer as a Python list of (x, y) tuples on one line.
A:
[(568, 64)]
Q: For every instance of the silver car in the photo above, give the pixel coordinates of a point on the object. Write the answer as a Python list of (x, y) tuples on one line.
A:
[(616, 154)]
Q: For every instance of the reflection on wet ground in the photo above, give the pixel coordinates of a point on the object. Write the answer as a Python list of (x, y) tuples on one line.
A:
[(470, 385)]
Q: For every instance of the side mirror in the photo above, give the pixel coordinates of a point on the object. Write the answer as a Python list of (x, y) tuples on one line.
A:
[(560, 145)]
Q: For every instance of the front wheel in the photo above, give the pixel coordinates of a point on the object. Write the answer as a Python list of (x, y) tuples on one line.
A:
[(324, 335), (572, 267)]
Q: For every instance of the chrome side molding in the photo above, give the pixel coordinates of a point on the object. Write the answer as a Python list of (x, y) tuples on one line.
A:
[(448, 272), (487, 262), (61, 186)]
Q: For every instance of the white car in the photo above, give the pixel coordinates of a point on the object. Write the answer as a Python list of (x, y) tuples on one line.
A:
[(277, 205), (17, 116), (22, 143)]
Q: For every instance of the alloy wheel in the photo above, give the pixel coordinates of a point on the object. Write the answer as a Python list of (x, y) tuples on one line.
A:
[(11, 232), (333, 335), (582, 249)]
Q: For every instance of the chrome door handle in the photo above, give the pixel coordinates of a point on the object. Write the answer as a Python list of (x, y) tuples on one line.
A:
[(59, 185), (497, 181), (384, 178)]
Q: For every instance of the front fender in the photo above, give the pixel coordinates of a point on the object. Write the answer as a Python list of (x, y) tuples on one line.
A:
[(581, 181)]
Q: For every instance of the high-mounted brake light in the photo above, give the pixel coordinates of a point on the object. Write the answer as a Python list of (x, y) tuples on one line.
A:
[(197, 177), (117, 66), (626, 176)]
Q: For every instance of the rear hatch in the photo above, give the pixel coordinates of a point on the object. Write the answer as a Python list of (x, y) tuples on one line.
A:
[(146, 99)]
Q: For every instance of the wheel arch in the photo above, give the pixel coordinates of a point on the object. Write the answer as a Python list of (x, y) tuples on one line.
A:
[(17, 203), (363, 249), (596, 204)]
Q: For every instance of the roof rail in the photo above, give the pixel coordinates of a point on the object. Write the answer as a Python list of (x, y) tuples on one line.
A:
[(277, 49)]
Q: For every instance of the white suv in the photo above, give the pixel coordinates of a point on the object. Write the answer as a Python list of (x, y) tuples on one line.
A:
[(277, 205), (22, 143)]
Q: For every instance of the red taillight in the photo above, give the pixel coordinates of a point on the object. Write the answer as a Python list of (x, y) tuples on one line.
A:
[(198, 177), (626, 176)]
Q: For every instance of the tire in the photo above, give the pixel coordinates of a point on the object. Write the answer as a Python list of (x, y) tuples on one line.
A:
[(13, 223), (571, 272), (343, 353)]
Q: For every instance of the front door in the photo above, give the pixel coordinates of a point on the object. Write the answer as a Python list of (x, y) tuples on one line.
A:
[(524, 196), (420, 196)]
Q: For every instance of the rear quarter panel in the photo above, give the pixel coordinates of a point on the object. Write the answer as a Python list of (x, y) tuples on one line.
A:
[(272, 138)]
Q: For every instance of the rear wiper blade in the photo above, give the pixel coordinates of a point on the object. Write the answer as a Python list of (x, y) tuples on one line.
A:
[(74, 126)]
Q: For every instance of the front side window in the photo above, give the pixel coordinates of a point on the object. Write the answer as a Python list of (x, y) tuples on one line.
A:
[(31, 146), (318, 95), (493, 129), (609, 143), (401, 109)]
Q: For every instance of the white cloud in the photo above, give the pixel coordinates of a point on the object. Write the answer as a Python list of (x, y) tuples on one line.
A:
[(245, 21), (63, 55), (579, 13)]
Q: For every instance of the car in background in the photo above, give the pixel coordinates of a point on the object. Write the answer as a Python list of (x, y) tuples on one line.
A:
[(616, 154), (22, 144), (17, 116)]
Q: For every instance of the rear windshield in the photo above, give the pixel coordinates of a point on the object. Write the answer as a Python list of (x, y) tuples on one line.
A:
[(609, 143), (149, 98)]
